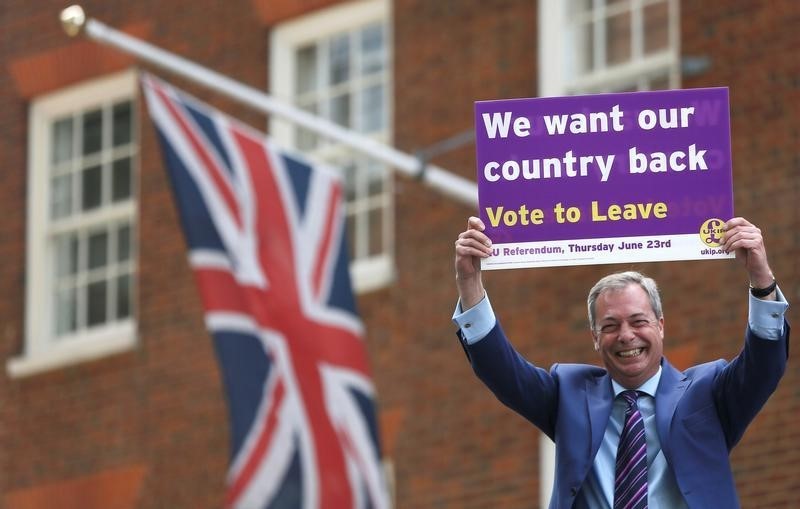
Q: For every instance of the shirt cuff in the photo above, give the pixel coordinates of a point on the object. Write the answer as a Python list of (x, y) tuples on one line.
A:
[(476, 322), (766, 317)]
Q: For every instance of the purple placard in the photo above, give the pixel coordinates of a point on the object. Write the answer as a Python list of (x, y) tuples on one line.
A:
[(642, 176)]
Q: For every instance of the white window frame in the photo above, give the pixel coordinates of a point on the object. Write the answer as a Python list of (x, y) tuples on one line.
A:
[(42, 351), (556, 58), (366, 273)]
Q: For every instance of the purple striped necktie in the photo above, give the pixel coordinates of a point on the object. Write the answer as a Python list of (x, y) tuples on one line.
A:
[(630, 480)]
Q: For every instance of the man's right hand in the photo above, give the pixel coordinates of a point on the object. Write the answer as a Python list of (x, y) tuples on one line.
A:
[(471, 246)]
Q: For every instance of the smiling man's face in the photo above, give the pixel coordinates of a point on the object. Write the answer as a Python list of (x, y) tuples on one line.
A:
[(629, 336)]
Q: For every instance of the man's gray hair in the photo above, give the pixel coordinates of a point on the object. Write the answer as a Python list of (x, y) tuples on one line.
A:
[(618, 281)]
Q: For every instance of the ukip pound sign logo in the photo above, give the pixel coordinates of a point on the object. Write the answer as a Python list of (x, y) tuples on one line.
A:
[(711, 232)]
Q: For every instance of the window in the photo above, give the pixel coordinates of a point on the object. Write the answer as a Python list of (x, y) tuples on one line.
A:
[(81, 247), (335, 63), (589, 46)]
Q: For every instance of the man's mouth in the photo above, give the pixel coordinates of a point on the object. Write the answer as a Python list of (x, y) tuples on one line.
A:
[(630, 353)]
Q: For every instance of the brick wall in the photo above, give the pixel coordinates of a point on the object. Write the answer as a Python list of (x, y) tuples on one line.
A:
[(154, 415)]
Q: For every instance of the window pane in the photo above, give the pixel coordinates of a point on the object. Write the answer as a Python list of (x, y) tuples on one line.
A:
[(123, 296), (61, 196), (656, 27), (376, 176), (351, 237), (92, 131), (121, 179), (66, 255), (584, 48), (618, 42), (350, 183), (62, 140), (91, 187), (581, 6), (623, 87), (372, 49), (339, 59), (305, 139), (376, 231), (659, 83), (372, 117), (306, 78), (66, 311), (122, 123), (96, 303), (98, 249), (124, 243), (340, 109)]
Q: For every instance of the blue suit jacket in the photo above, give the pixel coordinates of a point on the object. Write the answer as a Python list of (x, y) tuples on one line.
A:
[(701, 413)]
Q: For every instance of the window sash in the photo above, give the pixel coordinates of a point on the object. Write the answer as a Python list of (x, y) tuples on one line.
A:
[(100, 200)]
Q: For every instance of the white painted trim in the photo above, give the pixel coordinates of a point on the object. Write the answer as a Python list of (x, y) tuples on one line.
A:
[(675, 43), (628, 72), (552, 51), (118, 338), (547, 469), (372, 273)]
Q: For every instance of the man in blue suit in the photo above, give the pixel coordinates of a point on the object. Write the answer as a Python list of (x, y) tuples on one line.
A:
[(691, 419)]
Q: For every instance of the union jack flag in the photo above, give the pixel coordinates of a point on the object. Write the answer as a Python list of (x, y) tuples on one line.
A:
[(265, 232)]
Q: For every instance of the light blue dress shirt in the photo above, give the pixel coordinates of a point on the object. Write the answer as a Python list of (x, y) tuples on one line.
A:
[(765, 318)]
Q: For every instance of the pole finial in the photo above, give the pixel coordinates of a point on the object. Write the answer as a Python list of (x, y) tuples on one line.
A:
[(72, 19)]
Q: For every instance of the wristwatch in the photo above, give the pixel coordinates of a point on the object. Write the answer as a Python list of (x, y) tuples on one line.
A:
[(763, 292)]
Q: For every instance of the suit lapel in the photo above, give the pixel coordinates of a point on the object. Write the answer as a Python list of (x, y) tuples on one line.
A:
[(598, 406), (671, 388)]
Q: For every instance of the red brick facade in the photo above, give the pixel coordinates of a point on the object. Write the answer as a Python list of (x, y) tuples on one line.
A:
[(153, 422)]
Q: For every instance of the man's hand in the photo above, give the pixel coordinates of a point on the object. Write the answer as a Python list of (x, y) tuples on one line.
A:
[(471, 246), (745, 239)]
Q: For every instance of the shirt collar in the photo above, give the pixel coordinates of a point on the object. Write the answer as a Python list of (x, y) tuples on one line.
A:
[(649, 387)]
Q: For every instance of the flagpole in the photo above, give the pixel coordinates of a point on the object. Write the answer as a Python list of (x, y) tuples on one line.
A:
[(74, 22)]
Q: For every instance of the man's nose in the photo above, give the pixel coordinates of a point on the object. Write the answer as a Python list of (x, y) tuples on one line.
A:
[(626, 332)]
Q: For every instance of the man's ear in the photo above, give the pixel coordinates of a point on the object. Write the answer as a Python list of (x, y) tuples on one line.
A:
[(595, 341)]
